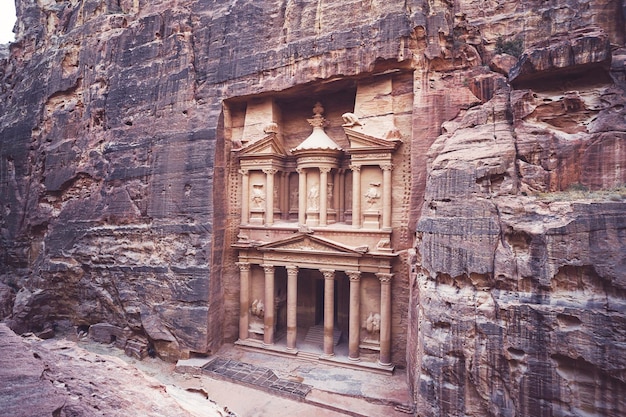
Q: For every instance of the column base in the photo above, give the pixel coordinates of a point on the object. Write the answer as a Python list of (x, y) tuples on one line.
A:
[(386, 365), (351, 359), (327, 355)]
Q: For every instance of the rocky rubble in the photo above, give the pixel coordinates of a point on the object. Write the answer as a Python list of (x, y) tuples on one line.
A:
[(58, 378)]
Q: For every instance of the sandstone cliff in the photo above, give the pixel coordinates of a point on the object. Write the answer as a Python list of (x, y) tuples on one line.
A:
[(114, 167)]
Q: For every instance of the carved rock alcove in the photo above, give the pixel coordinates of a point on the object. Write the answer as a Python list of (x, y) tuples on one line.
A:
[(315, 229)]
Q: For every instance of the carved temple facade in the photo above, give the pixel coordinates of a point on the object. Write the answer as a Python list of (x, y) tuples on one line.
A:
[(314, 246)]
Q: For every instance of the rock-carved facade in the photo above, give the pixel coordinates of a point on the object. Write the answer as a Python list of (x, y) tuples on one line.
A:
[(315, 261)]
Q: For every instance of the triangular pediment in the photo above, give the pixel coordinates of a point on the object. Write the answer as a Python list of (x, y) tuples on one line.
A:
[(361, 141), (310, 244), (268, 146)]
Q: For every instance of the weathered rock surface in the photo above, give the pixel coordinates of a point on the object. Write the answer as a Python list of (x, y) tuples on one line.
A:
[(114, 167), (57, 378)]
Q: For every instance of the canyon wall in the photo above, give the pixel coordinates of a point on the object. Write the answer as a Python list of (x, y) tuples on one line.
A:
[(114, 178)]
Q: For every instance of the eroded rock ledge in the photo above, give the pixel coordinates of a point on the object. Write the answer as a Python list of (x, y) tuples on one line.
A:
[(58, 378)]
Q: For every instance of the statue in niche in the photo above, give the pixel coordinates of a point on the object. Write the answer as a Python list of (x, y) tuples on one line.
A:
[(257, 309), (313, 197), (350, 120), (329, 194), (276, 200), (373, 194), (372, 324), (258, 196), (294, 199)]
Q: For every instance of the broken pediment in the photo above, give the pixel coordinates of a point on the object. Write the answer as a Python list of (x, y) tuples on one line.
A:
[(268, 146), (311, 244), (361, 142)]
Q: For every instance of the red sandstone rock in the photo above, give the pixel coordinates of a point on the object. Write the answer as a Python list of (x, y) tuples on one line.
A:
[(57, 378), (502, 63), (115, 203)]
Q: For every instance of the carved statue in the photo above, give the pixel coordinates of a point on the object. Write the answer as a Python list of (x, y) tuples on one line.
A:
[(350, 120), (271, 127), (313, 197), (372, 324), (329, 194), (294, 198), (258, 196), (257, 309), (372, 195)]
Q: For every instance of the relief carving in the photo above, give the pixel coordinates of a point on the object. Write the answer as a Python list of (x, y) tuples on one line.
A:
[(257, 309), (313, 198), (372, 196), (258, 196)]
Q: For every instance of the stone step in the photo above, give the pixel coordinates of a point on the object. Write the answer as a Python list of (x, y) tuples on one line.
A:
[(315, 335)]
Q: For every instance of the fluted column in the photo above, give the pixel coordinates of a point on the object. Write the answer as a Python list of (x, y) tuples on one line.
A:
[(356, 196), (354, 335), (292, 306), (268, 321), (301, 195), (245, 196), (385, 318), (329, 311), (269, 195), (386, 196), (244, 299), (324, 195)]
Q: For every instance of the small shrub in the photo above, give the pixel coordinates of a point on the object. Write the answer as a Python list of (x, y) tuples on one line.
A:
[(513, 47), (577, 187)]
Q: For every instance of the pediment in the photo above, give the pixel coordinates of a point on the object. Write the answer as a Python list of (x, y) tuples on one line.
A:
[(360, 141), (306, 243), (268, 146)]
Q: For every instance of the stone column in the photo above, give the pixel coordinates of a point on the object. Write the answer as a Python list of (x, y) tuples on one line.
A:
[(323, 195), (292, 306), (245, 196), (301, 196), (244, 299), (341, 195), (268, 321), (329, 311), (356, 196), (354, 336), (385, 318), (284, 197), (386, 196), (269, 195)]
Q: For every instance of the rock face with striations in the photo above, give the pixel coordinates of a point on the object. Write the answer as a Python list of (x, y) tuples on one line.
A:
[(114, 179)]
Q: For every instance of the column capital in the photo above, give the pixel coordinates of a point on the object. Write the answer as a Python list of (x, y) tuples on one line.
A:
[(328, 273), (243, 266), (270, 171), (300, 171), (355, 167), (386, 166), (291, 269), (354, 275), (269, 269), (384, 278), (244, 171), (325, 169)]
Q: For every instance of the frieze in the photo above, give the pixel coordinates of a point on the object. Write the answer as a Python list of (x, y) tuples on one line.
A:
[(371, 156)]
